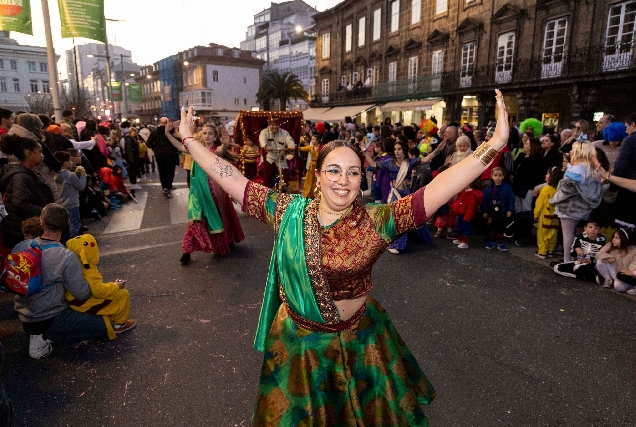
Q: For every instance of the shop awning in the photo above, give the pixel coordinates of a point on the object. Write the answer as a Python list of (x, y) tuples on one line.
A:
[(423, 104), (314, 114), (337, 114)]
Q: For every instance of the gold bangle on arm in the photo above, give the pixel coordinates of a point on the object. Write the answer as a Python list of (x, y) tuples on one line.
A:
[(485, 154)]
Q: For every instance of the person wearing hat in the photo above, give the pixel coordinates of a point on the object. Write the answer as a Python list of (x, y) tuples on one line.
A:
[(277, 143)]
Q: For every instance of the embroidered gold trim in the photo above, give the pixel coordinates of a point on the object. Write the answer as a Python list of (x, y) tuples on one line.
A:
[(313, 254)]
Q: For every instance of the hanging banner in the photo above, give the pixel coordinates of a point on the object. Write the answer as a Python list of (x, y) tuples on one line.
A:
[(134, 92), (15, 15), (115, 93), (83, 18)]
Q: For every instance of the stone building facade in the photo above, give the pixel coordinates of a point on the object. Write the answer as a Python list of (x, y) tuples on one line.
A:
[(556, 60)]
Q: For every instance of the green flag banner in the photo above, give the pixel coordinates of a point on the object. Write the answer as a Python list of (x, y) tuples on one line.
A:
[(134, 92), (83, 18), (115, 93), (15, 15)]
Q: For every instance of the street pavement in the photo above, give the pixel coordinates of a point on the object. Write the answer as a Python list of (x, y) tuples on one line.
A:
[(504, 340)]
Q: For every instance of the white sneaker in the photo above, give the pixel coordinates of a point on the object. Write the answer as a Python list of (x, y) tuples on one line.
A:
[(463, 246), (393, 251), (39, 347)]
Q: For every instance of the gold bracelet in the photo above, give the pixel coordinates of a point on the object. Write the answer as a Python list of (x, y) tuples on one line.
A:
[(485, 154)]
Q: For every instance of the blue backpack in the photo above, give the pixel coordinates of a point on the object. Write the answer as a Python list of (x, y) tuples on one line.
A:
[(22, 273)]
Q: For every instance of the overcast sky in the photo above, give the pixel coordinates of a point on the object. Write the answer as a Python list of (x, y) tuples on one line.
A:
[(155, 29)]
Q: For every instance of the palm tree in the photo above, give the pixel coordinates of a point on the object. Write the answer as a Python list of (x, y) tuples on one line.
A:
[(283, 87)]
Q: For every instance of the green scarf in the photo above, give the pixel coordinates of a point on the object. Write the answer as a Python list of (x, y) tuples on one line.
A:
[(289, 266), (200, 201)]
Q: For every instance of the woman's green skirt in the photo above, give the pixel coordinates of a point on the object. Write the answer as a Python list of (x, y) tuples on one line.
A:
[(362, 376)]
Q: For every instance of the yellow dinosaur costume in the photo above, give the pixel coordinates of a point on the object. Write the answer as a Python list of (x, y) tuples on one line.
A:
[(108, 301)]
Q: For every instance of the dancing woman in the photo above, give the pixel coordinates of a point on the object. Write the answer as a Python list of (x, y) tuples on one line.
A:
[(213, 225), (331, 354)]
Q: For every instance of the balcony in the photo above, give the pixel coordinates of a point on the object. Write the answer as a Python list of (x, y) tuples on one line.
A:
[(363, 95), (585, 64), (418, 87)]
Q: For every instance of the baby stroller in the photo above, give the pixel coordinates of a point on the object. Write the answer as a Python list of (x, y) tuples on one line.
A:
[(520, 227)]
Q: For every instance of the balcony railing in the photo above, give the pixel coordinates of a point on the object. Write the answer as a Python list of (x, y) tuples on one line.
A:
[(585, 63), (345, 97), (418, 87)]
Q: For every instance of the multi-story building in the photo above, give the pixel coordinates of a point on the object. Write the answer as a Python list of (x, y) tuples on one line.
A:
[(24, 76), (123, 70), (283, 36), (149, 109), (219, 81), (78, 59), (557, 60)]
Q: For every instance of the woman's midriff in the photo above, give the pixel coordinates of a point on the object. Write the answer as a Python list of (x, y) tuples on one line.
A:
[(348, 307)]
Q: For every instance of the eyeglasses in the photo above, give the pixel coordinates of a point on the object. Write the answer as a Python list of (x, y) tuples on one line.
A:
[(333, 174)]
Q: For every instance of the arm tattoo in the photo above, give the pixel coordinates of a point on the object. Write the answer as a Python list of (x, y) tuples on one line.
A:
[(223, 170)]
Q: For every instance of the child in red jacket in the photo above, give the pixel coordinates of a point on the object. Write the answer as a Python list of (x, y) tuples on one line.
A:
[(465, 206)]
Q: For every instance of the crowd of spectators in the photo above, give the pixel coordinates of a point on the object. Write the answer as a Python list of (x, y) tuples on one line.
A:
[(551, 186)]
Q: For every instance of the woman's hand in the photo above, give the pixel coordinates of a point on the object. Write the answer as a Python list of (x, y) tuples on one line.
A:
[(225, 136), (502, 131), (186, 125)]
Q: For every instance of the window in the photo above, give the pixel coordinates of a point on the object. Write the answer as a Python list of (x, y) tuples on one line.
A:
[(326, 39), (412, 74), (416, 11), (392, 71), (442, 6), (553, 48), (620, 36), (362, 22), (377, 22), (215, 76), (325, 90), (412, 71), (437, 65), (46, 87), (468, 64), (261, 43), (395, 16), (348, 38), (505, 51), (34, 85), (274, 39), (31, 66), (3, 84), (16, 85), (14, 64), (44, 67)]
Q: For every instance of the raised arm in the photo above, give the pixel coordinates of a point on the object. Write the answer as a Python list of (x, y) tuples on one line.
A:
[(223, 173), (455, 179)]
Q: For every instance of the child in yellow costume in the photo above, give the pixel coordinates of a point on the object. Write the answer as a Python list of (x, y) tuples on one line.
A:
[(109, 300), (548, 226)]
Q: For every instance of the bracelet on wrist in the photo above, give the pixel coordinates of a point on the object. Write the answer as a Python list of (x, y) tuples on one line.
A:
[(183, 142), (485, 154)]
